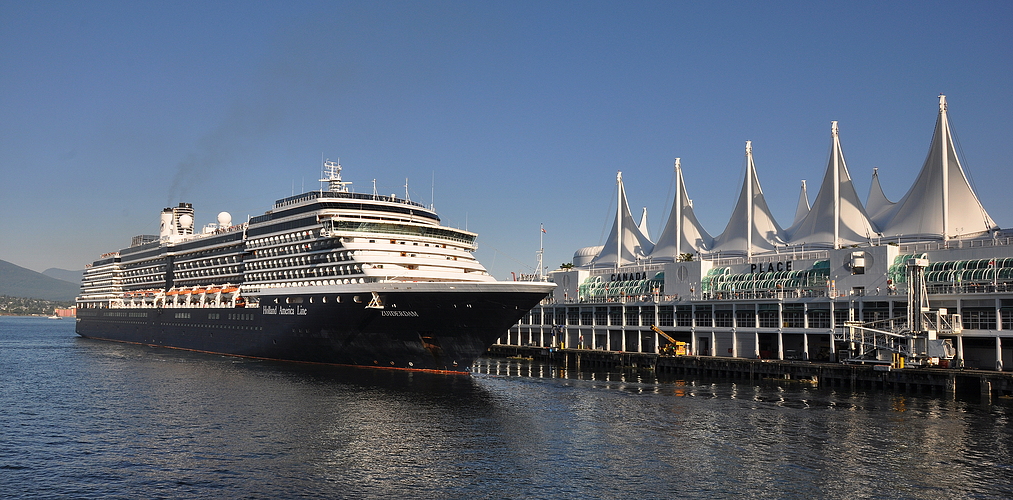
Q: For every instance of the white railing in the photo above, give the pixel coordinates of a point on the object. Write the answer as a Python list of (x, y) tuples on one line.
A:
[(953, 244)]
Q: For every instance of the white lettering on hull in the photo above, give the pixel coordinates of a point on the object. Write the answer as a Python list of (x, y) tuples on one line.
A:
[(410, 314), (285, 311)]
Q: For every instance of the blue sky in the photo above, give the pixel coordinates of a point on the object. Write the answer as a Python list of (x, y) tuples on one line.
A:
[(522, 112)]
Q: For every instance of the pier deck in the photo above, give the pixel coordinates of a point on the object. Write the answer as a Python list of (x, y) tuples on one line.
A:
[(947, 382)]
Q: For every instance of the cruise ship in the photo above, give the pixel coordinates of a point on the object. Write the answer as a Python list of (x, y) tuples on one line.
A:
[(927, 279), (329, 276)]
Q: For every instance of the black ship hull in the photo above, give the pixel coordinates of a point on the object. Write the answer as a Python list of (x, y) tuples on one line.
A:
[(429, 330)]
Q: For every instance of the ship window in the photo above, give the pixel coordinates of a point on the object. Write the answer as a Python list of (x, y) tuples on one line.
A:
[(393, 242), (356, 299), (323, 299)]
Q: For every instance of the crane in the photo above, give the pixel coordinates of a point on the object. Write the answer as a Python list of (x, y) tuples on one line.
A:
[(676, 347)]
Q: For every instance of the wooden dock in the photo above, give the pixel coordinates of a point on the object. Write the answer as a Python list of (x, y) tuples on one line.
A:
[(938, 381)]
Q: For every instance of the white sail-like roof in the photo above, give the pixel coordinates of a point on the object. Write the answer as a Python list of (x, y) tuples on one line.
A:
[(877, 205), (941, 203), (752, 228), (625, 243), (683, 232), (643, 224), (803, 205), (837, 216)]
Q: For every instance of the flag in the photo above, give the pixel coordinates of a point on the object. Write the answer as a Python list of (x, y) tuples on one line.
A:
[(544, 231)]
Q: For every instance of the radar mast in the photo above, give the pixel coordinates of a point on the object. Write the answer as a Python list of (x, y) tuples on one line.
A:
[(332, 176)]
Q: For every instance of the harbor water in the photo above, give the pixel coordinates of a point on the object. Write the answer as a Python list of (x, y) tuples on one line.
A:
[(91, 419)]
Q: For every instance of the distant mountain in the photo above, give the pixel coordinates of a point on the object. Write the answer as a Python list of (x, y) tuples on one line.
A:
[(16, 281), (65, 275)]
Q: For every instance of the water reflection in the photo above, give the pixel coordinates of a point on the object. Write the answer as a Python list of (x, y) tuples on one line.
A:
[(788, 442), (95, 420)]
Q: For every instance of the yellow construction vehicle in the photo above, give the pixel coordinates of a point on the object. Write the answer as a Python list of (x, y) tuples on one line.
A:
[(676, 347)]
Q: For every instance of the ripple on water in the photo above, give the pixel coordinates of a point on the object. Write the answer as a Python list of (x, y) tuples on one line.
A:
[(91, 419)]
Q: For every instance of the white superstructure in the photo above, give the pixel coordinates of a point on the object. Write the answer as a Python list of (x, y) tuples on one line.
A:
[(320, 238)]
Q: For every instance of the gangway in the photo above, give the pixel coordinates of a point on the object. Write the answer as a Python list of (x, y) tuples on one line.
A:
[(917, 337), (911, 345)]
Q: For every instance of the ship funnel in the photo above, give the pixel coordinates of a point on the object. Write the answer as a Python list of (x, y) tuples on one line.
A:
[(183, 219), (166, 228)]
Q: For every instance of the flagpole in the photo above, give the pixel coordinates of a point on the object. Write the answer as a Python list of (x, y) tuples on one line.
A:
[(541, 250)]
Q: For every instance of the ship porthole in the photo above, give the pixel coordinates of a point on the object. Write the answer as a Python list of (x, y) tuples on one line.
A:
[(391, 363), (411, 363)]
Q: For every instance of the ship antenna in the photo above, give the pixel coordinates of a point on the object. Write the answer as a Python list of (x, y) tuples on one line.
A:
[(406, 197), (332, 176), (541, 250)]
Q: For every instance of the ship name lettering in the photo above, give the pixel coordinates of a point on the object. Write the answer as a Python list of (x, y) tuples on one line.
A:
[(301, 311), (413, 314), (269, 310), (286, 310)]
